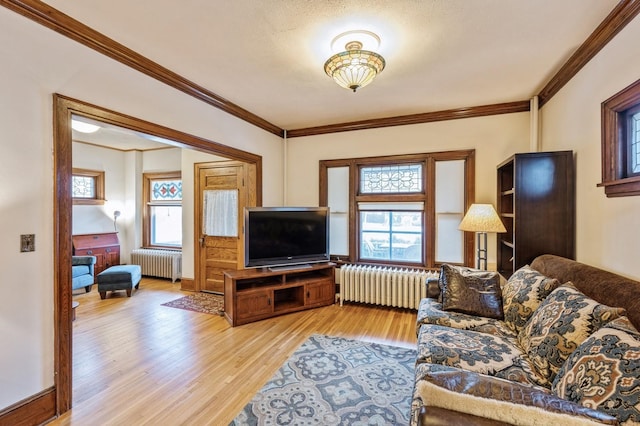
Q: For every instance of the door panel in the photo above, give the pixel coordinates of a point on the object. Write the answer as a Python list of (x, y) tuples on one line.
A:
[(218, 253)]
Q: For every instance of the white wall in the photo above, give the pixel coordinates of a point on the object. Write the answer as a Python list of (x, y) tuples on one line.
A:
[(608, 229), (90, 219), (494, 138), (36, 63), (189, 159)]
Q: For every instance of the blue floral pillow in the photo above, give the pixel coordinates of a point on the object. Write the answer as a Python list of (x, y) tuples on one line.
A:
[(522, 294), (560, 324), (604, 372)]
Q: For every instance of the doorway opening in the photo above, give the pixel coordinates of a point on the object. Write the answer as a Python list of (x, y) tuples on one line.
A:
[(64, 109)]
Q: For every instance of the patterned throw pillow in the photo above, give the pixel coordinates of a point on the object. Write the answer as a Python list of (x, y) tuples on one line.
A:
[(604, 372), (523, 293), (559, 325)]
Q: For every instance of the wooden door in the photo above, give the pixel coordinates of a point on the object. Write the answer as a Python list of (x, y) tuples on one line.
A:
[(224, 189)]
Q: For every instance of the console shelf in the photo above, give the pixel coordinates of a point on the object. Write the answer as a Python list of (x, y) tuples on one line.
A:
[(255, 294)]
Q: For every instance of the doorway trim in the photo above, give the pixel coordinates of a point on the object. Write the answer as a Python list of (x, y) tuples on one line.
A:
[(63, 108)]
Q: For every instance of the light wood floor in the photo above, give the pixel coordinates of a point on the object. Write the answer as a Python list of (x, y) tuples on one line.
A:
[(136, 362)]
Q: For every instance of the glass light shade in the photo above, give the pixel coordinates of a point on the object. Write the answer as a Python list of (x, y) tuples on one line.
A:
[(353, 69), (481, 218), (83, 127)]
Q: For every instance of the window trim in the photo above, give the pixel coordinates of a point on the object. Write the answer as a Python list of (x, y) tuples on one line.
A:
[(146, 197), (429, 160), (614, 143), (98, 181)]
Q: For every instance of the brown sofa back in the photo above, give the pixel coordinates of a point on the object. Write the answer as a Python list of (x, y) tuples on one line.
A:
[(603, 286)]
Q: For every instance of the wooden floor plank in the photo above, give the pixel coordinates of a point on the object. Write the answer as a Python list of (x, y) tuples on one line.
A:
[(136, 362)]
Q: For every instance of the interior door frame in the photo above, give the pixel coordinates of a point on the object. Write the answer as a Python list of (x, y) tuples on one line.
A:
[(63, 108)]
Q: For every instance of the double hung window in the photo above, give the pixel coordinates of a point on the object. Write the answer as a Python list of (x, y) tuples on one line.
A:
[(391, 229), (163, 213)]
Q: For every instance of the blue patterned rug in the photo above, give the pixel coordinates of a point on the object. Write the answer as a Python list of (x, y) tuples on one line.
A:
[(336, 381)]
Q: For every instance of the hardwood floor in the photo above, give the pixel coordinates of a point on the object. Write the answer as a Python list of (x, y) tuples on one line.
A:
[(136, 362)]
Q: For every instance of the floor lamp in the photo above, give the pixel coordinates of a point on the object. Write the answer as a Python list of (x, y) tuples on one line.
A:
[(482, 218)]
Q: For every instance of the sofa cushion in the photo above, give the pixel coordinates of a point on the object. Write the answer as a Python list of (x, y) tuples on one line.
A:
[(559, 325), (523, 293), (604, 372), (430, 312), (474, 351), (471, 291)]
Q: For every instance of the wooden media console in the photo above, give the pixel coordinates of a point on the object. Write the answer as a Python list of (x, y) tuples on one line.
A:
[(255, 294)]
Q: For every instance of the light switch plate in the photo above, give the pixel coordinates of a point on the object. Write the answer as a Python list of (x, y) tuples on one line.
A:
[(27, 242)]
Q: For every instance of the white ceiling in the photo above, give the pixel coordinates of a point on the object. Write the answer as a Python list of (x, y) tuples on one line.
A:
[(118, 137), (267, 56)]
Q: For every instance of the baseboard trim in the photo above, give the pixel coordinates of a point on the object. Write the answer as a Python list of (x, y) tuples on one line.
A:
[(35, 410), (187, 284)]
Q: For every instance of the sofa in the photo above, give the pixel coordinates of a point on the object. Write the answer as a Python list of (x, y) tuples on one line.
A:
[(556, 343), (82, 272)]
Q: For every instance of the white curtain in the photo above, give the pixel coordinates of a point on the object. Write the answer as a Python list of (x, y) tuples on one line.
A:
[(220, 213)]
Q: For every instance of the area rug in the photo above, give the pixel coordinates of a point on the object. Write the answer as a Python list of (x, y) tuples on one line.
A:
[(199, 302), (336, 381)]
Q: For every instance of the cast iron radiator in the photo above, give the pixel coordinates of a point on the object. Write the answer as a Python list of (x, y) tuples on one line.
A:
[(158, 263), (383, 285)]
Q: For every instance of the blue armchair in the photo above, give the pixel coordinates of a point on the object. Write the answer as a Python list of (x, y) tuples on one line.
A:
[(82, 272)]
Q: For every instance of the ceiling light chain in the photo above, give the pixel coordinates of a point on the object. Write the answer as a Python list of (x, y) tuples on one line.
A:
[(354, 68)]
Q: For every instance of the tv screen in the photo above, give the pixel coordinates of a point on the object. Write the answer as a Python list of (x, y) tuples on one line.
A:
[(277, 236)]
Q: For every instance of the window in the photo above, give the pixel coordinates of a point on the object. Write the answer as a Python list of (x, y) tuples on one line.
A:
[(87, 186), (163, 212), (389, 228), (621, 143), (632, 123), (393, 210)]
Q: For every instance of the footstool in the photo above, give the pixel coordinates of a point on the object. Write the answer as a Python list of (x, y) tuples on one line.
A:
[(119, 277)]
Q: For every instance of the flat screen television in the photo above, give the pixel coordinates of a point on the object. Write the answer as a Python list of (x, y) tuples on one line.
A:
[(285, 236)]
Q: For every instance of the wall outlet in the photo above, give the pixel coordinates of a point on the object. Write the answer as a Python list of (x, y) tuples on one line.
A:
[(27, 242)]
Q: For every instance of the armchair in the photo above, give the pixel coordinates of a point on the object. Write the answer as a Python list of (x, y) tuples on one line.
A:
[(82, 272)]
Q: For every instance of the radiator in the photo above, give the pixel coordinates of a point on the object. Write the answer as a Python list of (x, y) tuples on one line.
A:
[(158, 263), (382, 285)]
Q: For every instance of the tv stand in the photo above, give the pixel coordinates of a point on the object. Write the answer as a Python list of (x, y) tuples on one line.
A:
[(256, 294)]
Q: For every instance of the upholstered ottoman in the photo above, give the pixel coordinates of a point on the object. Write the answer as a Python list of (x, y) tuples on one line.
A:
[(119, 277)]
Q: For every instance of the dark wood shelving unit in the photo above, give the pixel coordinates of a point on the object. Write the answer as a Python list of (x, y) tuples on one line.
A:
[(255, 294), (536, 202)]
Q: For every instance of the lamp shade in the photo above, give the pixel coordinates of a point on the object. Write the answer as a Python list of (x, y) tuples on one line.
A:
[(354, 68), (481, 218)]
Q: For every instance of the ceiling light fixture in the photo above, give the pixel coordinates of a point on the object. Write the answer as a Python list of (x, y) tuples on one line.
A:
[(83, 127), (354, 68)]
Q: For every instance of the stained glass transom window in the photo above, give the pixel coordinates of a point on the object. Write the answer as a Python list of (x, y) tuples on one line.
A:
[(634, 143), (83, 187), (399, 178), (166, 190)]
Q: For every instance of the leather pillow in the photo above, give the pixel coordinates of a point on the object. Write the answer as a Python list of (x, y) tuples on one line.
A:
[(471, 291)]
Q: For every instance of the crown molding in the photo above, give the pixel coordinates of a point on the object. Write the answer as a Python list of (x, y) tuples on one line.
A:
[(620, 16), (36, 10), (402, 120)]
